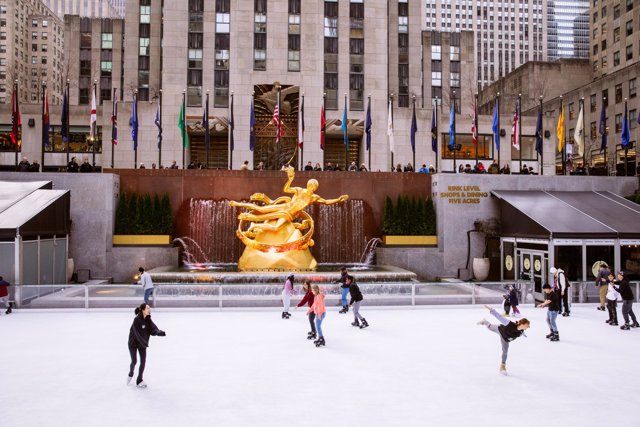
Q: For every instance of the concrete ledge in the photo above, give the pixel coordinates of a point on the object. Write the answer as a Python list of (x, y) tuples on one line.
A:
[(141, 240), (411, 240)]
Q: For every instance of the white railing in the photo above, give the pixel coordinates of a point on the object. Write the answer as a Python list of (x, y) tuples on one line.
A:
[(89, 296)]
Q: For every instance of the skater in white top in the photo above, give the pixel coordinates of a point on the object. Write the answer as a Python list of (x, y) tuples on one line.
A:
[(507, 330), (287, 292)]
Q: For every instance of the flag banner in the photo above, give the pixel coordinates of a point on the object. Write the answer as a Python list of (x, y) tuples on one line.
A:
[(134, 123), (345, 130), (578, 134), (414, 128), (323, 124), (301, 123), (158, 124), (495, 125), (182, 125), (626, 135), (602, 128), (46, 145), (252, 126), (64, 116), (539, 132), (231, 126), (560, 129), (94, 115), (367, 125), (114, 120), (515, 136), (277, 121), (434, 131), (392, 142), (452, 126), (205, 124), (474, 124)]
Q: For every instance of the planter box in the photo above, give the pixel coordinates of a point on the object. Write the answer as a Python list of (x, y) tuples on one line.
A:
[(141, 239), (410, 240)]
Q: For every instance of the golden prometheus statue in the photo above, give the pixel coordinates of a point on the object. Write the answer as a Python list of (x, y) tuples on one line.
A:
[(278, 235)]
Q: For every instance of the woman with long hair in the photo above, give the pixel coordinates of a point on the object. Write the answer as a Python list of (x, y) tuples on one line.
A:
[(320, 311), (141, 329), (507, 330), (308, 299)]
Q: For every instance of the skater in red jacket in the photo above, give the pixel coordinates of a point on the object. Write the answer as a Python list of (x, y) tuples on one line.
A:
[(308, 299)]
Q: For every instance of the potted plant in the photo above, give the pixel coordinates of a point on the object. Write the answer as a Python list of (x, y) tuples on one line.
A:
[(489, 228)]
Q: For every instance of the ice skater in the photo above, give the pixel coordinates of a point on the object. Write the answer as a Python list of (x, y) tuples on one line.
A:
[(356, 300), (308, 299), (552, 300), (513, 301), (141, 329), (560, 282), (147, 284), (4, 294), (507, 330), (622, 286), (506, 303), (320, 311), (612, 302), (287, 292), (344, 289)]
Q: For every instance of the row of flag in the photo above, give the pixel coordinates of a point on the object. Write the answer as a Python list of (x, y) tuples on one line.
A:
[(578, 135)]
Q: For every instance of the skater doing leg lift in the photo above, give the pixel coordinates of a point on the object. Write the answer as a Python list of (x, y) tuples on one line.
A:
[(507, 330), (141, 329)]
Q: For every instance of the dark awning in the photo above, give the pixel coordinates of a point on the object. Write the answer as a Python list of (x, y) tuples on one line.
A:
[(31, 211), (568, 214)]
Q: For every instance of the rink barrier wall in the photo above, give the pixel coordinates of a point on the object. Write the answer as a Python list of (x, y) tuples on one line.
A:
[(180, 295)]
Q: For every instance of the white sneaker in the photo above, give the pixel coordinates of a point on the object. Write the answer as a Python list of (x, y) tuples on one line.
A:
[(142, 385), (129, 379), (483, 322)]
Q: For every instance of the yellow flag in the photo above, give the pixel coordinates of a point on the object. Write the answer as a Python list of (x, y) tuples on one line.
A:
[(560, 130)]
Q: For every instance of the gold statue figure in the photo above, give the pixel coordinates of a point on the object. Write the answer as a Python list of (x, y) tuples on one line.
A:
[(274, 238)]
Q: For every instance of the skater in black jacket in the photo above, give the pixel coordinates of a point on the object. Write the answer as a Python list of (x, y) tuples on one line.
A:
[(508, 332), (356, 300), (622, 286), (141, 329), (552, 300), (344, 289)]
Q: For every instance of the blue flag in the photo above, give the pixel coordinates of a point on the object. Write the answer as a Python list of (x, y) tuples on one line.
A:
[(64, 116), (452, 126), (434, 131), (252, 127), (344, 125), (367, 125), (495, 126), (539, 132), (414, 128), (134, 123), (625, 128), (602, 128)]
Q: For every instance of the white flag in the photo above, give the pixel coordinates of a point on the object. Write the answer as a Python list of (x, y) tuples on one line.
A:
[(392, 143), (578, 135), (92, 122)]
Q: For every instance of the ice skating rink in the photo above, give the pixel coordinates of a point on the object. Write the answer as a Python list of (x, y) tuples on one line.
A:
[(430, 366)]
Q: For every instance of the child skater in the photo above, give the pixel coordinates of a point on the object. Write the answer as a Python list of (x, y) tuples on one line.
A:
[(612, 302), (506, 304), (622, 286), (513, 300), (356, 300), (141, 329), (507, 330), (287, 292), (319, 310), (308, 299)]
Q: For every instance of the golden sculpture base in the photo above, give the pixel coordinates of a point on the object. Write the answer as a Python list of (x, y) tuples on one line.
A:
[(295, 260)]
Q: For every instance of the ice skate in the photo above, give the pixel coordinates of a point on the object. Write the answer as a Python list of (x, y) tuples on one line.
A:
[(503, 369), (355, 323), (565, 314), (550, 335), (129, 378), (345, 309), (614, 323), (483, 322), (9, 310), (311, 336), (319, 342), (625, 327), (286, 313), (142, 385), (635, 325), (364, 324), (555, 337)]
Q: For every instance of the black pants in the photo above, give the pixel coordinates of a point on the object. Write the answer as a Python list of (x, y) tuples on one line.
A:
[(312, 317), (627, 310), (613, 310), (565, 299), (134, 360)]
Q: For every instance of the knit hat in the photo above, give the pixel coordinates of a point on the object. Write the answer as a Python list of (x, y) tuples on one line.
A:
[(553, 270)]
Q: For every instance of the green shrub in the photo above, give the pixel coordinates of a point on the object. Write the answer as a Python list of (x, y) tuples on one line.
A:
[(409, 216), (144, 214)]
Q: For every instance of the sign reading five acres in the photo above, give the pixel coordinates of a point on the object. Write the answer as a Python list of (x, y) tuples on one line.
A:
[(463, 194)]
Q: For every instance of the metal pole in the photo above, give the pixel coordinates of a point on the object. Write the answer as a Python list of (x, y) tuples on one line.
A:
[(414, 148), (392, 165), (369, 109), (498, 136), (160, 130), (184, 122), (207, 135), (584, 138), (66, 124), (278, 126), (519, 113), (626, 147), (301, 132), (44, 94), (437, 133), (229, 130), (135, 151), (453, 143), (95, 131), (346, 137), (475, 124), (113, 123), (541, 136), (324, 126), (18, 128)]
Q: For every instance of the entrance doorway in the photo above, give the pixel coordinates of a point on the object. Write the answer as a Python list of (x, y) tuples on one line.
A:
[(532, 268)]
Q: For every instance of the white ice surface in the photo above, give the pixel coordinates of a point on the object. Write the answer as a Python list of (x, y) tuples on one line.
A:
[(413, 367)]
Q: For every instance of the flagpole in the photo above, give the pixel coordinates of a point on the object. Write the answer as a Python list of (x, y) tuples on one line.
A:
[(15, 146), (323, 133), (564, 145), (453, 143), (498, 135), (113, 111), (519, 113), (65, 123), (605, 132), (184, 121), (626, 147), (346, 137), (44, 94), (207, 136), (414, 147), (301, 111), (584, 139), (160, 130), (437, 131), (391, 101), (475, 124), (229, 130), (135, 143), (95, 130), (368, 136), (277, 166)]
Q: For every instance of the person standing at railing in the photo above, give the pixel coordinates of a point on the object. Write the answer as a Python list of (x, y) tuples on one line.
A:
[(4, 294), (507, 330), (141, 330), (147, 284), (560, 282), (320, 311), (308, 299), (601, 283), (287, 292), (622, 286), (552, 301), (356, 300)]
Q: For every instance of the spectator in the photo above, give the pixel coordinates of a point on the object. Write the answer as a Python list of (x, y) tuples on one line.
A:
[(73, 166), (245, 166), (329, 167), (24, 164), (398, 167), (161, 167), (481, 168), (153, 166), (174, 165), (506, 170), (409, 168), (317, 167), (363, 168), (494, 168), (142, 166), (353, 167), (467, 168), (524, 170), (192, 165), (432, 169), (423, 169), (307, 168), (86, 167), (260, 166), (461, 168), (35, 166)]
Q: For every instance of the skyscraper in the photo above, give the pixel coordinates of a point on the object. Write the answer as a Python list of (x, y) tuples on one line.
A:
[(568, 29)]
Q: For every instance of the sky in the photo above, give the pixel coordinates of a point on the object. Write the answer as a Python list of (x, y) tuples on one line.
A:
[(412, 367)]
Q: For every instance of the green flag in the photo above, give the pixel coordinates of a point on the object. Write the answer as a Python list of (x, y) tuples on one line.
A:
[(182, 125)]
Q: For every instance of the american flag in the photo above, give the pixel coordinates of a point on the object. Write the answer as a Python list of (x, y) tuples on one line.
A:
[(277, 122), (114, 120), (474, 124), (515, 138)]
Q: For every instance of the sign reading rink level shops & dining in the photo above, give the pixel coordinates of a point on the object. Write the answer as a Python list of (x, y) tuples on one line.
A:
[(464, 194)]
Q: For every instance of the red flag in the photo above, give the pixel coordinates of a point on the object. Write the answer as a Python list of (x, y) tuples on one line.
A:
[(15, 116), (515, 138), (323, 123), (474, 124)]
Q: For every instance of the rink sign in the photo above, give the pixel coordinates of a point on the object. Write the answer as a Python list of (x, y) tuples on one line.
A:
[(464, 194)]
